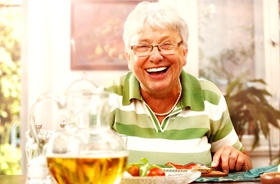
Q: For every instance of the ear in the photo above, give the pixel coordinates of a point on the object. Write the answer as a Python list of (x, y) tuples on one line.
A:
[(127, 55), (185, 53), (128, 58)]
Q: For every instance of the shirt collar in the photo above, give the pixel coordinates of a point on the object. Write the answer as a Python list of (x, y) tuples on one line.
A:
[(131, 89), (192, 95)]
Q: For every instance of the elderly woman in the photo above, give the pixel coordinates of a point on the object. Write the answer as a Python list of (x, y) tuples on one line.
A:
[(168, 114)]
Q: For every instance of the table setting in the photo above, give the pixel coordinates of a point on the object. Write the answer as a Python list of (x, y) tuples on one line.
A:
[(86, 150), (252, 176)]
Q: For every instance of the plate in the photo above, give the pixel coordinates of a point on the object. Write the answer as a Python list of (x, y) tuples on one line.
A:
[(170, 178), (174, 170), (211, 174)]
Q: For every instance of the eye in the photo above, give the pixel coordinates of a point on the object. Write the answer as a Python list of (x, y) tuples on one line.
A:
[(167, 46), (142, 47)]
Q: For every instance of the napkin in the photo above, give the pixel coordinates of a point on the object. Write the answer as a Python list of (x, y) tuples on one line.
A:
[(232, 176), (256, 172), (250, 175)]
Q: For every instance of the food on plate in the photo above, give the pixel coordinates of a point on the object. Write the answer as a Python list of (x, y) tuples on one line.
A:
[(155, 171), (144, 168), (134, 170), (191, 166)]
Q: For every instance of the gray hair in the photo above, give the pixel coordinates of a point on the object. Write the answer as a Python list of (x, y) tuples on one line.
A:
[(155, 15)]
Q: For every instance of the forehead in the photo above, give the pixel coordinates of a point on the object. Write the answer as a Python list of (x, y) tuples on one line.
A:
[(151, 34)]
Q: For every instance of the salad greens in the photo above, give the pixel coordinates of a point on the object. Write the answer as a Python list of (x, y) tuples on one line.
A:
[(144, 166)]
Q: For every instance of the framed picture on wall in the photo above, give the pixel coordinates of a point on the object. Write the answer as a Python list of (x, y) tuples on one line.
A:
[(96, 34)]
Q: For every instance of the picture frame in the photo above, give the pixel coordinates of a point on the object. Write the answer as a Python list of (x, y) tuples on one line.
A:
[(96, 34)]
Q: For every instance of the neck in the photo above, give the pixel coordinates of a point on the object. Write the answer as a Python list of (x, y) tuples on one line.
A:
[(170, 102)]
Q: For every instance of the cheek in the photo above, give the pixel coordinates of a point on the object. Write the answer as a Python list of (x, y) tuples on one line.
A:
[(135, 63)]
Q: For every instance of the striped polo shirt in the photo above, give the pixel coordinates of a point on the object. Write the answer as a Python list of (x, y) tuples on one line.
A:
[(192, 132)]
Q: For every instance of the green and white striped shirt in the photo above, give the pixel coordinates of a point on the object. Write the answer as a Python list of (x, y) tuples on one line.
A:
[(198, 126)]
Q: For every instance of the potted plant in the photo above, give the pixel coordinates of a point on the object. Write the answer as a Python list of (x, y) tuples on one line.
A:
[(249, 103), (250, 109)]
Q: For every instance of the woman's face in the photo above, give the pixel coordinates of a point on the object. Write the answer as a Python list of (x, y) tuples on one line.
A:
[(156, 72)]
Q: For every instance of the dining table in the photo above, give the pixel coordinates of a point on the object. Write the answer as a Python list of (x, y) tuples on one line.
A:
[(21, 179)]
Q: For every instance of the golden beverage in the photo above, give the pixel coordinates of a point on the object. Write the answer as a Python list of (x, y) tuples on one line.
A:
[(87, 170)]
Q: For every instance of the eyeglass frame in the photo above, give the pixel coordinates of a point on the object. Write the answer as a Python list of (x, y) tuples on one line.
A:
[(176, 45)]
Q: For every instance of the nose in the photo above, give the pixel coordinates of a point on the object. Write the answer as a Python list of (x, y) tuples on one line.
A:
[(155, 56)]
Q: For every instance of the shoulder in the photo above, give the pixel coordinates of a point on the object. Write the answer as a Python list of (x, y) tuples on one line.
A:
[(196, 92), (211, 92), (126, 86), (207, 85), (204, 88), (197, 83), (117, 84), (203, 83)]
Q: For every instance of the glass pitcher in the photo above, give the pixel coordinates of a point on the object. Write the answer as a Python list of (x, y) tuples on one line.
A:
[(86, 149), (68, 104), (41, 126)]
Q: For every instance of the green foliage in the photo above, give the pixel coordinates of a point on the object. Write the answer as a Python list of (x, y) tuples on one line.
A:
[(10, 29), (10, 23), (9, 160), (248, 101), (250, 109)]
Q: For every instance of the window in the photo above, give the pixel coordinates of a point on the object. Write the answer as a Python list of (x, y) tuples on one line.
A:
[(10, 24), (232, 38), (238, 39)]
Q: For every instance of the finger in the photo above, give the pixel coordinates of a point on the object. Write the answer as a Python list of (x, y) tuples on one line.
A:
[(217, 158), (239, 163), (245, 166), (225, 159), (233, 161)]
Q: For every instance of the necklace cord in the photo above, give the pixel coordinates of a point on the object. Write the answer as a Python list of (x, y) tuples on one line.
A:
[(172, 108)]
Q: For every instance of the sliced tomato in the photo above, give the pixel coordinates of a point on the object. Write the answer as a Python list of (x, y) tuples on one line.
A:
[(155, 171), (134, 170)]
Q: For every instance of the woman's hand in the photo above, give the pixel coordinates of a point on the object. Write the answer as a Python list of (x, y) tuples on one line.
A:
[(231, 159)]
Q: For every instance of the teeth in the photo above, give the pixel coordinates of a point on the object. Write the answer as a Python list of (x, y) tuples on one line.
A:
[(156, 69)]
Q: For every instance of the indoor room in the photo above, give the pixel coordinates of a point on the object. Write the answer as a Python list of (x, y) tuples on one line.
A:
[(232, 43)]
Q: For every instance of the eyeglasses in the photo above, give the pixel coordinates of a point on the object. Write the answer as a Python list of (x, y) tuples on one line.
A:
[(166, 48)]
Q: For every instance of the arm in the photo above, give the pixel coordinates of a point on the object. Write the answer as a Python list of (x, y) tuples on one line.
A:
[(227, 154), (232, 159)]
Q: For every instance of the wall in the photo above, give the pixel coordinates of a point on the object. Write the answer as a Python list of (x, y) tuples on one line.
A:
[(46, 56)]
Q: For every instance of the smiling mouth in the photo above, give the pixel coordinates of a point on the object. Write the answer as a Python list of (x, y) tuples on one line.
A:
[(157, 70)]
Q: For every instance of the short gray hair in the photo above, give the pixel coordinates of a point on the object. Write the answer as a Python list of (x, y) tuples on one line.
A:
[(155, 15)]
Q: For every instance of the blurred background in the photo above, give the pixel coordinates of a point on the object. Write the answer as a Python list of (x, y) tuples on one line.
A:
[(46, 45)]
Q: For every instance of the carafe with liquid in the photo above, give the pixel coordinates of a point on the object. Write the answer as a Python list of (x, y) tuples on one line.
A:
[(85, 150), (88, 151)]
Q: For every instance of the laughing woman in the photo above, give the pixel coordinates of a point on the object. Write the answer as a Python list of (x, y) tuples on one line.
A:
[(168, 114)]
